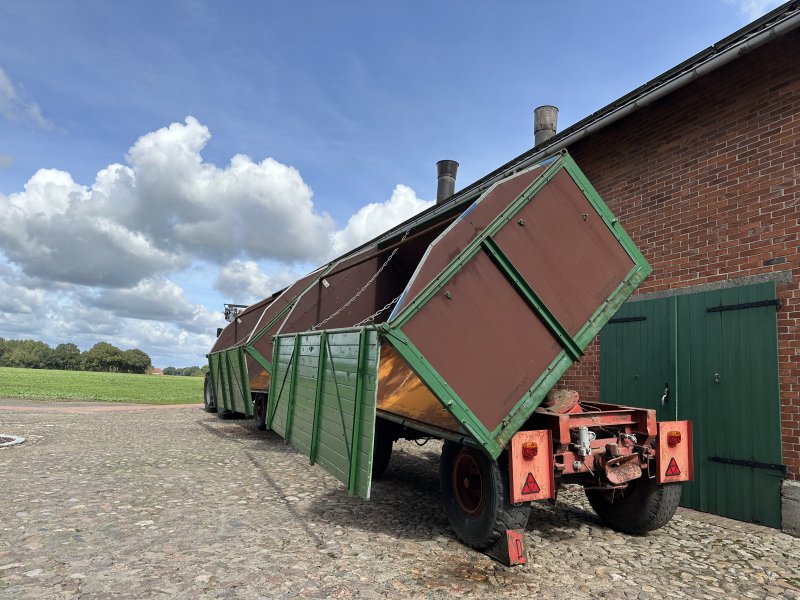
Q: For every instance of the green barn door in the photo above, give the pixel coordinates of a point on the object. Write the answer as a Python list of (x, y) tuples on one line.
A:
[(638, 359), (718, 352), (728, 365)]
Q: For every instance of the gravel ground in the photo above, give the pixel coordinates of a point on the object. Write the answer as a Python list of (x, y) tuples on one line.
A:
[(128, 501)]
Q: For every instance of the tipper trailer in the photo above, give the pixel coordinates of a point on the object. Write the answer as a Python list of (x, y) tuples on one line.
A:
[(458, 324)]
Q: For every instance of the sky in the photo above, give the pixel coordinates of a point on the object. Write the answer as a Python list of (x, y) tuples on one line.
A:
[(159, 158)]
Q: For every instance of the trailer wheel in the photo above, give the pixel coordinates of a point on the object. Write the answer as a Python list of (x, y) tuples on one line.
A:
[(643, 506), (208, 396), (382, 449), (260, 411), (475, 496)]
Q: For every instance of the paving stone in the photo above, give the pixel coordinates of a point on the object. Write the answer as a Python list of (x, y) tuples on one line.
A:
[(131, 502)]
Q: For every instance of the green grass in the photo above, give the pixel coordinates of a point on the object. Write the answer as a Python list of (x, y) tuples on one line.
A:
[(83, 386)]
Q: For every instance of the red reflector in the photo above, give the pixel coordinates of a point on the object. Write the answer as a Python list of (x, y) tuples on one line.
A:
[(529, 450), (673, 469), (674, 438), (531, 487)]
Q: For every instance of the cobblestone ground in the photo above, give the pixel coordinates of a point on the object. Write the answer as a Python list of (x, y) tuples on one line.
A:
[(128, 501)]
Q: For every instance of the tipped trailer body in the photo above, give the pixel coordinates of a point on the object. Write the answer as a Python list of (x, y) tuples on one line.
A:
[(457, 324)]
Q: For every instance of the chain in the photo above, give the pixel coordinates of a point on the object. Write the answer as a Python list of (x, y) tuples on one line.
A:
[(363, 289), (379, 311)]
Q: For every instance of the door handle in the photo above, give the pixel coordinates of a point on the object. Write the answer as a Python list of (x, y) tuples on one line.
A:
[(665, 397)]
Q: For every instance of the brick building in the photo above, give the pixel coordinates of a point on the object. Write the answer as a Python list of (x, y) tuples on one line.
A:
[(702, 168)]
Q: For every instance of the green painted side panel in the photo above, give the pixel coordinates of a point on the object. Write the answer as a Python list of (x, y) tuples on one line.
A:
[(726, 382), (236, 382), (323, 397), (224, 381), (216, 378)]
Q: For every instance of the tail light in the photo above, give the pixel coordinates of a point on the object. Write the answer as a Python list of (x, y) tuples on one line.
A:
[(529, 450), (674, 438)]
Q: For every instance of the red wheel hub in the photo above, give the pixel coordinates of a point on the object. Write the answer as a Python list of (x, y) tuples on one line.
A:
[(468, 483)]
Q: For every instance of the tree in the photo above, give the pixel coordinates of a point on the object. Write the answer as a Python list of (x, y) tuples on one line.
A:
[(134, 361), (26, 353), (101, 357), (66, 357)]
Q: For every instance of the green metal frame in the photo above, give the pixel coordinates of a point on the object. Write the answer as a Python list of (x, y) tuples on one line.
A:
[(312, 455), (359, 400), (493, 442)]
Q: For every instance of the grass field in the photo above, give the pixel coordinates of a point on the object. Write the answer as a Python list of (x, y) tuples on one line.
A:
[(109, 387)]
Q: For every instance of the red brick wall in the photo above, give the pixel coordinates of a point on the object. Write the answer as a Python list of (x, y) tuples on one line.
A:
[(707, 183)]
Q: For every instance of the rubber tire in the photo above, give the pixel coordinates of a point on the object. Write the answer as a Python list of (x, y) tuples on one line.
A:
[(498, 513), (260, 411), (646, 506), (208, 396), (381, 454)]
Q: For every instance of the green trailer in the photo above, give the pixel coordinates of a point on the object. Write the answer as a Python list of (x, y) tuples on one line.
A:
[(458, 324)]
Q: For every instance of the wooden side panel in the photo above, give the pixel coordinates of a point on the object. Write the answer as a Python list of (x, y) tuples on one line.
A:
[(327, 410)]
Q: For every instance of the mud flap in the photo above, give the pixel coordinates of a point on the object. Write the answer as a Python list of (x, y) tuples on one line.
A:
[(509, 549)]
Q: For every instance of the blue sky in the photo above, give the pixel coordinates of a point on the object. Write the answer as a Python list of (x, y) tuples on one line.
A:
[(335, 105)]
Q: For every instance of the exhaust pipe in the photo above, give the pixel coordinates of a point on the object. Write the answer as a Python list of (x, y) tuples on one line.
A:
[(446, 181), (545, 121)]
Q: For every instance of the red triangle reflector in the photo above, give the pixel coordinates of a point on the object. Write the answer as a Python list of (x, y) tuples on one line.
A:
[(531, 487), (672, 469)]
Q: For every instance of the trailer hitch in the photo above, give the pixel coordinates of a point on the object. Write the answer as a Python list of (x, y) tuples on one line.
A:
[(622, 469)]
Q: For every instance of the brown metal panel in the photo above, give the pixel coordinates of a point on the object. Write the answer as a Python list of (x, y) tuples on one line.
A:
[(239, 330), (258, 376), (226, 339), (467, 228), (402, 393), (565, 252), (484, 340), (264, 344), (321, 301)]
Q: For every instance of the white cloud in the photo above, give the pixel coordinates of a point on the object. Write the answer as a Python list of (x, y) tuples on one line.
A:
[(156, 215), (53, 231), (15, 107), (375, 218), (16, 299), (155, 317), (244, 282), (753, 9), (89, 263)]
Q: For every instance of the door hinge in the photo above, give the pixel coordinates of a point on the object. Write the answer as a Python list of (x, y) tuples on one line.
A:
[(750, 463), (722, 307), (627, 319)]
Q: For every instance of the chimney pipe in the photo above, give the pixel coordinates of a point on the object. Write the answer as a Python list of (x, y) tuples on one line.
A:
[(446, 182), (545, 120)]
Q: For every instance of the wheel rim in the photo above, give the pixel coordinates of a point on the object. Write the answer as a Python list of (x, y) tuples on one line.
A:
[(468, 483)]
